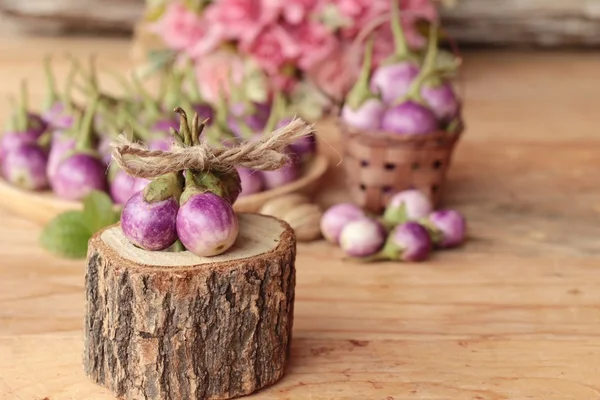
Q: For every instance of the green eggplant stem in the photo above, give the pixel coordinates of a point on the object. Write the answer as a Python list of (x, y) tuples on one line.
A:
[(402, 51), (51, 94), (221, 109), (361, 92), (193, 81), (22, 123), (68, 91), (428, 68), (184, 127), (84, 140), (152, 106), (369, 259), (177, 137), (277, 108)]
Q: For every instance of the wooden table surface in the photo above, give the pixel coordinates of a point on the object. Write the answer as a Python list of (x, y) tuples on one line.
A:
[(512, 315)]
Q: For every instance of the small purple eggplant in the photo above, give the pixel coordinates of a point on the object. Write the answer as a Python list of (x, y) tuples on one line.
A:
[(150, 225), (305, 147), (290, 172), (82, 170), (363, 109), (62, 144), (78, 175), (436, 92), (448, 228), (393, 81), (149, 217), (122, 185), (24, 129), (442, 100), (252, 181), (25, 167), (407, 242), (246, 118), (336, 218), (362, 238), (393, 78), (408, 118), (206, 224), (414, 113), (408, 205), (58, 112)]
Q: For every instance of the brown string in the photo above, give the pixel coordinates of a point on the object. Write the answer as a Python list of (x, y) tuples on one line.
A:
[(267, 154)]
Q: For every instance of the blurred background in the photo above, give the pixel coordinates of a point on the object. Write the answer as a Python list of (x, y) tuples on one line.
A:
[(545, 23)]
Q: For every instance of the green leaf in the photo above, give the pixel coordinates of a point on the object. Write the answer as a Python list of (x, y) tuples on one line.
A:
[(98, 211), (67, 235)]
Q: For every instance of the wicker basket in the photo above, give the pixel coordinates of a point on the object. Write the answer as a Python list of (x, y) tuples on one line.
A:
[(379, 164)]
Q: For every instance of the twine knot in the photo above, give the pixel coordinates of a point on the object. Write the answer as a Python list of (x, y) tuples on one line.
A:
[(266, 154)]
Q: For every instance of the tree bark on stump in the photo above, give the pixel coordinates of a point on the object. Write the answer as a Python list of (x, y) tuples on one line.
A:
[(176, 326)]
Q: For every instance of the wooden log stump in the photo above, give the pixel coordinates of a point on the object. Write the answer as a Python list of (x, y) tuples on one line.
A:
[(177, 326)]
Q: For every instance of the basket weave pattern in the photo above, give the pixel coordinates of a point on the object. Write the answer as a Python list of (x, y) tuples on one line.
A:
[(378, 165)]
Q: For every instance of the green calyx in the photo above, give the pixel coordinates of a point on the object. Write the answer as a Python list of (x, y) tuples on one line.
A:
[(113, 169), (455, 125), (394, 216), (164, 187), (361, 92), (434, 233), (45, 139), (402, 52)]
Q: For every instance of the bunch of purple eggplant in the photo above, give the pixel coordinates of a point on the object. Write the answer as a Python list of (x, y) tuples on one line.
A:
[(408, 93), (66, 148), (185, 210), (409, 229)]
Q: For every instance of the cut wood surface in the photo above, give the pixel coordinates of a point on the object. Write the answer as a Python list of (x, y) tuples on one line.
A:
[(514, 314), (178, 326)]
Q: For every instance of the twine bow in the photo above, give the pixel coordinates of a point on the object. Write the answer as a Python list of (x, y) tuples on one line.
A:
[(266, 154)]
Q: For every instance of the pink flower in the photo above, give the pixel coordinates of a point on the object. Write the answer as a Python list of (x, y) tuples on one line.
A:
[(315, 42), (296, 11), (183, 30), (241, 18), (271, 48), (214, 72), (419, 9), (364, 12), (335, 74)]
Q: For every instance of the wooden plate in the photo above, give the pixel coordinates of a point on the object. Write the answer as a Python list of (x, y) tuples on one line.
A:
[(42, 207)]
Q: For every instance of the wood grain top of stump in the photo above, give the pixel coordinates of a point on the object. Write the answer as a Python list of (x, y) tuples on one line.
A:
[(177, 326)]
